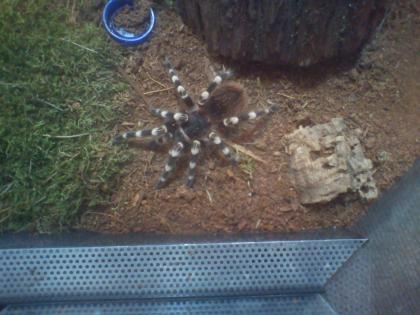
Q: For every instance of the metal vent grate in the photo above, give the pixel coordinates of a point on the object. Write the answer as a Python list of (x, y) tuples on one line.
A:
[(285, 305), (384, 277), (161, 271)]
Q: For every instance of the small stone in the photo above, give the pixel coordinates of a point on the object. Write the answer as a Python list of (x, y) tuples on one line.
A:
[(76, 106), (277, 153), (353, 98), (211, 165), (230, 173), (285, 209)]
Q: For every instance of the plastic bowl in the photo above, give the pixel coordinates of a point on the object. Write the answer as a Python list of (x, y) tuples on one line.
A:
[(120, 34)]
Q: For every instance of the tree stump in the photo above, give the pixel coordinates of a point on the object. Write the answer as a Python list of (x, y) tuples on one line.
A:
[(291, 32)]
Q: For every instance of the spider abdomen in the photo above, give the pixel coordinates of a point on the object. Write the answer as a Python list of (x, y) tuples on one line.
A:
[(225, 100)]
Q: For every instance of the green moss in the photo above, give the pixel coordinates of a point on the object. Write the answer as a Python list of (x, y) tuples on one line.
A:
[(58, 105)]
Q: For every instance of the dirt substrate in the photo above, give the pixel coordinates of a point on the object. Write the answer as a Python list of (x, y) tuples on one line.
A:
[(379, 93)]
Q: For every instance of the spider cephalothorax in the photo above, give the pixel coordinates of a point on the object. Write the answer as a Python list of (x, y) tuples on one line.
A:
[(198, 125)]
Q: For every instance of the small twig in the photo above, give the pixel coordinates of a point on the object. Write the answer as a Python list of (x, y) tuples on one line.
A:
[(7, 216), (157, 82), (158, 91), (80, 46), (365, 133), (205, 188), (5, 209), (209, 196), (287, 96), (13, 84), (6, 189), (49, 104), (382, 23), (127, 123), (68, 137), (148, 163), (245, 151), (251, 191)]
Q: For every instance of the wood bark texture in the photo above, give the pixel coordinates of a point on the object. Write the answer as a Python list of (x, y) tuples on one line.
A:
[(292, 32), (327, 160)]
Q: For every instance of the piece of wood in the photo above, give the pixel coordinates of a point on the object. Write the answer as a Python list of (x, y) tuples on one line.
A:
[(301, 32), (327, 160)]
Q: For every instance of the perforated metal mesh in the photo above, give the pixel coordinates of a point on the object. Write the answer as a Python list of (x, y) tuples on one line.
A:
[(284, 305), (351, 290), (384, 276), (159, 271)]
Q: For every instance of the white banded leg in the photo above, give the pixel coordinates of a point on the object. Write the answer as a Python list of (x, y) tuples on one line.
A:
[(174, 154), (160, 141), (162, 113), (227, 152), (169, 116), (218, 79), (231, 121), (195, 150), (154, 132), (179, 88)]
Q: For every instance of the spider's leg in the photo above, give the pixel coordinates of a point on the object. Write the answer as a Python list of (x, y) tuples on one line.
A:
[(160, 112), (227, 152), (169, 116), (218, 79), (249, 116), (174, 154), (160, 142), (195, 150), (179, 88), (153, 132)]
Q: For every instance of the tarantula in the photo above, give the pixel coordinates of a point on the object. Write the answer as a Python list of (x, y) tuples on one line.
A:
[(196, 126)]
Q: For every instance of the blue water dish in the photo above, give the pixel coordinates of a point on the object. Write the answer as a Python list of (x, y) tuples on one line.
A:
[(119, 33)]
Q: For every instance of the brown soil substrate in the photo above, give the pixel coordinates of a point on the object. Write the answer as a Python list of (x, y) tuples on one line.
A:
[(379, 93), (134, 18)]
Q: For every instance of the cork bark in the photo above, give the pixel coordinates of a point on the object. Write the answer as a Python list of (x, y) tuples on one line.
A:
[(327, 160)]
